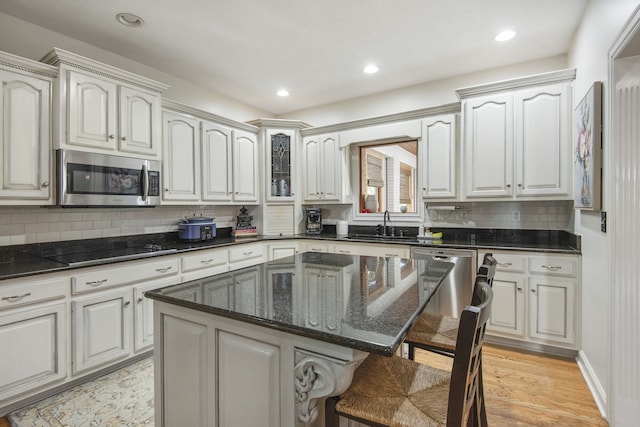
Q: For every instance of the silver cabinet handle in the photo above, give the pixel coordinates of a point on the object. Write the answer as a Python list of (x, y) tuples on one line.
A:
[(508, 185), (533, 291), (112, 136), (14, 298), (519, 288), (140, 299), (342, 251), (247, 253), (126, 303), (504, 264), (206, 261), (124, 138), (96, 282), (391, 255), (45, 184), (552, 267), (163, 270)]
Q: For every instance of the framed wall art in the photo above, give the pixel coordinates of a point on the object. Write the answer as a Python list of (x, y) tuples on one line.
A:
[(587, 150)]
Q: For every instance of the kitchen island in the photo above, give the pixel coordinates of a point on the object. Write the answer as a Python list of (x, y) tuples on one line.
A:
[(265, 345)]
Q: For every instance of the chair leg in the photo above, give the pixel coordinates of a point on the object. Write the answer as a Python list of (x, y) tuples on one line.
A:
[(412, 351), (331, 417), (480, 393)]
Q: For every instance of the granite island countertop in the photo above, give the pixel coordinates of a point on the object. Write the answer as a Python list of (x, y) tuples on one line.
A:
[(361, 302)]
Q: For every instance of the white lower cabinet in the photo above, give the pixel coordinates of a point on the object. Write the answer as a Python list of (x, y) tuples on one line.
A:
[(143, 314), (372, 249), (536, 298), (34, 350), (283, 249), (246, 255), (101, 329)]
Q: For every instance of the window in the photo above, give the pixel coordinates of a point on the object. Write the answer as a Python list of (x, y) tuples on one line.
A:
[(388, 177)]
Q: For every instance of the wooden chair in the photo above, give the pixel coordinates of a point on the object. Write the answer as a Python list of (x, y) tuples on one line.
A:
[(397, 392), (437, 333)]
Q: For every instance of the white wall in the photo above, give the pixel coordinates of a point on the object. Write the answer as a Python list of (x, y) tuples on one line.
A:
[(31, 41), (419, 96), (601, 24)]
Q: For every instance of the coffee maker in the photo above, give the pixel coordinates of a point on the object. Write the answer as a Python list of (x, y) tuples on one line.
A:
[(314, 221)]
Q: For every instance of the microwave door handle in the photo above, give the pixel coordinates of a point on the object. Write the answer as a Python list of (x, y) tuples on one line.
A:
[(145, 182)]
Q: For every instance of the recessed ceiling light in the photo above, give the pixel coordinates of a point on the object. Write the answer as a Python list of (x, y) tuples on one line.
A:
[(504, 36), (371, 69), (129, 19), (282, 92)]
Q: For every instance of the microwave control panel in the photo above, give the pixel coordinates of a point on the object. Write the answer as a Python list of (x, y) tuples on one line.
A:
[(154, 183)]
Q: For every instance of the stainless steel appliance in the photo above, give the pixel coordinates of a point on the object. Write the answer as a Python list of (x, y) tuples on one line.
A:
[(456, 290), (314, 221), (89, 179)]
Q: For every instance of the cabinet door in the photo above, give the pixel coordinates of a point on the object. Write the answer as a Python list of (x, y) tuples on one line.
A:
[(508, 308), (281, 179), (437, 153), (92, 112), (139, 122), (143, 314), (34, 353), (542, 141), (101, 329), (310, 168), (216, 162), (246, 168), (551, 310), (243, 361), (282, 250), (181, 162), (25, 137), (330, 165), (488, 137)]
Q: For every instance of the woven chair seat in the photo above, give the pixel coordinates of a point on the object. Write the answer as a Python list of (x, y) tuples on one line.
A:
[(397, 392), (435, 330)]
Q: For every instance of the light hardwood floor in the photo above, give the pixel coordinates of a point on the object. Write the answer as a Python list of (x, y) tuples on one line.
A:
[(526, 389), (529, 389)]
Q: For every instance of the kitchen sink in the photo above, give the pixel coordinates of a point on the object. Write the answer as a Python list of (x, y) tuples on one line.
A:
[(377, 238)]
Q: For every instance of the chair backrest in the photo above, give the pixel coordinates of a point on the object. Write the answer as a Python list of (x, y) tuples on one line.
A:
[(488, 268), (466, 362)]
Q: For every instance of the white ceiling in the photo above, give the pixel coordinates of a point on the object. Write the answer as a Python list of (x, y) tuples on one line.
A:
[(248, 49)]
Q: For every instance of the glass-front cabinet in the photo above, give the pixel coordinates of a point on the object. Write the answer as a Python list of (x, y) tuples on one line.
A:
[(280, 168)]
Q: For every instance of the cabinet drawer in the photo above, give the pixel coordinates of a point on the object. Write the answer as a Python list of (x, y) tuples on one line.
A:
[(204, 260), (246, 252), (510, 262), (101, 278), (32, 291), (317, 247), (556, 266)]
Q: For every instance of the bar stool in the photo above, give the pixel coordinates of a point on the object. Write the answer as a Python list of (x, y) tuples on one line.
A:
[(397, 392), (438, 334)]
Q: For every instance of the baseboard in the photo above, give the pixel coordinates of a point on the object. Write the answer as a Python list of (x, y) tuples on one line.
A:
[(597, 391), (531, 346)]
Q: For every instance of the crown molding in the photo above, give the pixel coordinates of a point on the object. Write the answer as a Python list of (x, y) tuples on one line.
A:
[(389, 118), (177, 107), (23, 64), (280, 123), (517, 83)]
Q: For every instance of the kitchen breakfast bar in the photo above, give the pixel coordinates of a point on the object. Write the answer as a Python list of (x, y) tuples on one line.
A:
[(265, 345)]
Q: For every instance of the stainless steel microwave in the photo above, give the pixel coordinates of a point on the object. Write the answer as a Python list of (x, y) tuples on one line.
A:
[(90, 179)]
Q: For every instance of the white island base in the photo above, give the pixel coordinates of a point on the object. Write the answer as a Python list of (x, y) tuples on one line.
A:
[(216, 371)]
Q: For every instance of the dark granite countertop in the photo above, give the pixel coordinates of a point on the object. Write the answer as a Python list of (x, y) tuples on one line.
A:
[(365, 303), (31, 259)]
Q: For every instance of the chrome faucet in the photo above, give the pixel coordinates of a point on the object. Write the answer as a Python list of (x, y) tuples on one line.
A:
[(385, 217)]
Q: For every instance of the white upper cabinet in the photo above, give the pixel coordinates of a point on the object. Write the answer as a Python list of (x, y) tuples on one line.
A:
[(25, 131), (438, 157), (246, 167), (105, 109), (543, 141), (217, 145), (517, 138), (181, 158), (324, 169), (205, 162), (280, 145)]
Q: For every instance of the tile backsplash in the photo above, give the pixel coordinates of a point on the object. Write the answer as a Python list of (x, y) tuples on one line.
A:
[(535, 215), (20, 225)]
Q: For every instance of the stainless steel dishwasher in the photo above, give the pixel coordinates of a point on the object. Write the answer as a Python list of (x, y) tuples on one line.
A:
[(456, 290)]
